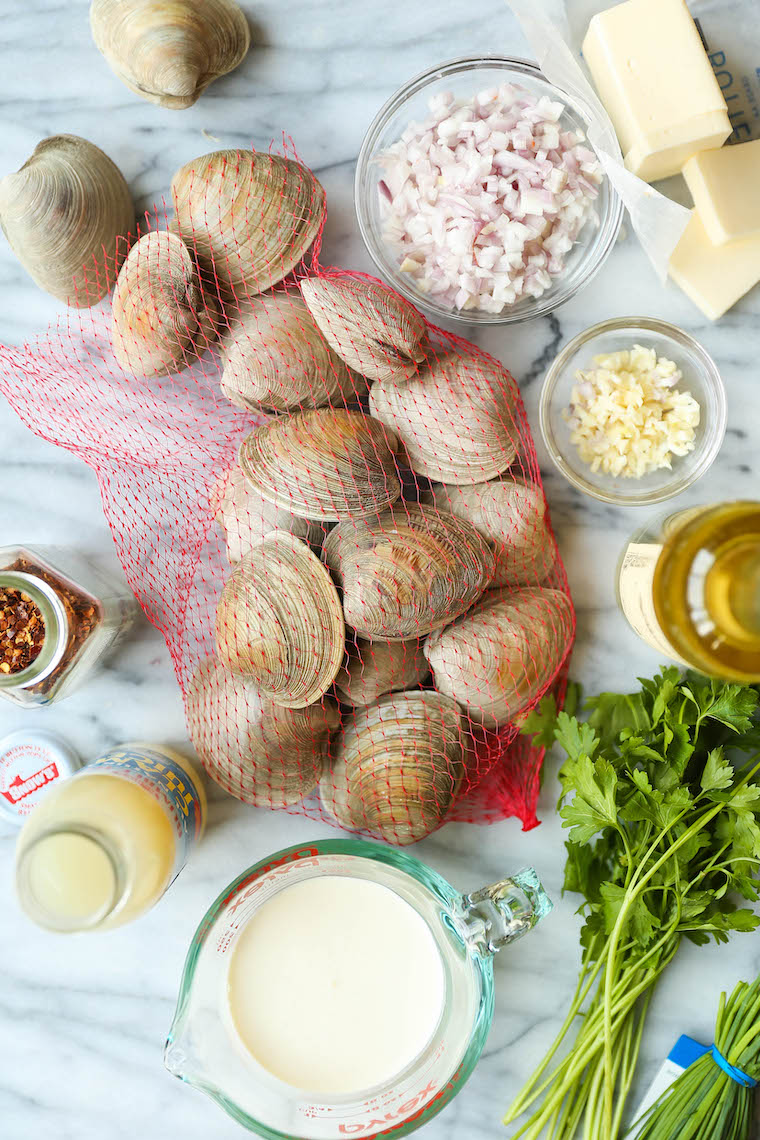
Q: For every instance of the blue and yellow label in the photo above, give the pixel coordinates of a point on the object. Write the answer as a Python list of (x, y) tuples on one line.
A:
[(171, 781)]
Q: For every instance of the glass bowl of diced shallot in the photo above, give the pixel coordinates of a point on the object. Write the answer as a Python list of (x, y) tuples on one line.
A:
[(633, 411), (478, 195)]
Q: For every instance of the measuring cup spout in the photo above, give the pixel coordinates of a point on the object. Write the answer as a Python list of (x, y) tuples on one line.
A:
[(176, 1057), (504, 911)]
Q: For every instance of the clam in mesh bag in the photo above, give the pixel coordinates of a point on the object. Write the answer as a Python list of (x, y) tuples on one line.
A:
[(330, 508)]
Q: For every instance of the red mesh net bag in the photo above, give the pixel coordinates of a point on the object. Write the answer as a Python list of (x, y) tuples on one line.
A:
[(330, 508)]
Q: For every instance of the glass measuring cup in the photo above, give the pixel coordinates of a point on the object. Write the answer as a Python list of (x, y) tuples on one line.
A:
[(203, 1049)]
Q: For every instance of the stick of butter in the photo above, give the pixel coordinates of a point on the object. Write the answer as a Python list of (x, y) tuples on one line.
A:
[(714, 276), (655, 80), (725, 186)]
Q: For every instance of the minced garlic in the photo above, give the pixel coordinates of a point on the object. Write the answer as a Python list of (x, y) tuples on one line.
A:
[(626, 415)]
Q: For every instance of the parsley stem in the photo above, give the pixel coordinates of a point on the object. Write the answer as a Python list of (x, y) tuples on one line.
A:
[(662, 827), (631, 1061), (585, 983)]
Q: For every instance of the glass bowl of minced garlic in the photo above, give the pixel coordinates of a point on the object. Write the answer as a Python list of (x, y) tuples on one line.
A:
[(633, 411)]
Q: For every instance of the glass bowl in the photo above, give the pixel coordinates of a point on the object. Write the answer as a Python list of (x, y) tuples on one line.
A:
[(465, 77), (700, 377)]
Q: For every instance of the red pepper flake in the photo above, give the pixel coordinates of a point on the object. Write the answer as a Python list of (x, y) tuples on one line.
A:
[(22, 631), (83, 614)]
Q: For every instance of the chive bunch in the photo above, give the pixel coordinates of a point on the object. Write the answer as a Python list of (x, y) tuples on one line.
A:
[(705, 1102)]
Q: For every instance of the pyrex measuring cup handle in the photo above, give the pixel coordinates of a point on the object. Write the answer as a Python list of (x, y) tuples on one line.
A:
[(504, 911)]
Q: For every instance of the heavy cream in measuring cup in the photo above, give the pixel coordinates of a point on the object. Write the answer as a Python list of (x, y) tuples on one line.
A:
[(335, 985)]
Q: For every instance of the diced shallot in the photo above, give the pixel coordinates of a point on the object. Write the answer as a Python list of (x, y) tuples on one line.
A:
[(484, 199)]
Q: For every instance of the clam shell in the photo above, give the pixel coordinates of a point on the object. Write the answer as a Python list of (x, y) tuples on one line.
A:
[(279, 622), (275, 357), (510, 514), (257, 751), (410, 570), (67, 214), (246, 519), (162, 321), (397, 767), (370, 326), (324, 464), (372, 668), (497, 658), (249, 217), (169, 52), (456, 418)]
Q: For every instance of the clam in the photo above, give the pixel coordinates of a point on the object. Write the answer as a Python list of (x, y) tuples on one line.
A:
[(397, 767), (323, 464), (408, 571), (510, 514), (246, 518), (257, 751), (275, 357), (497, 658), (67, 215), (370, 326), (457, 418), (162, 320), (279, 622), (372, 668), (169, 51), (249, 217)]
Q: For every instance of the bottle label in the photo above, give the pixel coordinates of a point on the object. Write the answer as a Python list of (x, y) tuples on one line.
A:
[(637, 596), (163, 777)]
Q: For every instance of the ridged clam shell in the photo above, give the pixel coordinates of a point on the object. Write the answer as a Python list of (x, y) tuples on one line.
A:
[(67, 214), (455, 417), (496, 659), (246, 518), (279, 622), (275, 357), (397, 766), (372, 668), (410, 570), (162, 321), (257, 751), (249, 217), (169, 52), (370, 326), (324, 464), (510, 514)]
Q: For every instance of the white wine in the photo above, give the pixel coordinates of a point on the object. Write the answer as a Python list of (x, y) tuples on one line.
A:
[(689, 585)]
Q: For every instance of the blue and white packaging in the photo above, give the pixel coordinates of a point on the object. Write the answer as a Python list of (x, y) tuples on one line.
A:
[(684, 1053)]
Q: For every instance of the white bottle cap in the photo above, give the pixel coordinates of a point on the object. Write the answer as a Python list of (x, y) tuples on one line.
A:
[(30, 762)]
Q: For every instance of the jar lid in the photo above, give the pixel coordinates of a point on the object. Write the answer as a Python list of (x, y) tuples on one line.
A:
[(29, 763)]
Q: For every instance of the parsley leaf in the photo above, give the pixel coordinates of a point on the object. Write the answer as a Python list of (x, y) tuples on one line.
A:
[(663, 816), (541, 722), (578, 740), (717, 773), (732, 705)]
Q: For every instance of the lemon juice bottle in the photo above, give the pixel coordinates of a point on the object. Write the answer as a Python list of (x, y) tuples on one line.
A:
[(102, 847)]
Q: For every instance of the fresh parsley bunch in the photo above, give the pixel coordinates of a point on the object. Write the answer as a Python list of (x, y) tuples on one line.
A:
[(664, 819)]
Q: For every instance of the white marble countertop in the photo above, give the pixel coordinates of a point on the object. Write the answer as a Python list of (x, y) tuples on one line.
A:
[(83, 1020)]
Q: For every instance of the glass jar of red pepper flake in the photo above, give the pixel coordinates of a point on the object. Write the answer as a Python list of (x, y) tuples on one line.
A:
[(59, 614)]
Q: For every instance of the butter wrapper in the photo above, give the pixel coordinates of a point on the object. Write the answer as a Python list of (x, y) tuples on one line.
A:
[(731, 35), (730, 32), (657, 221)]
